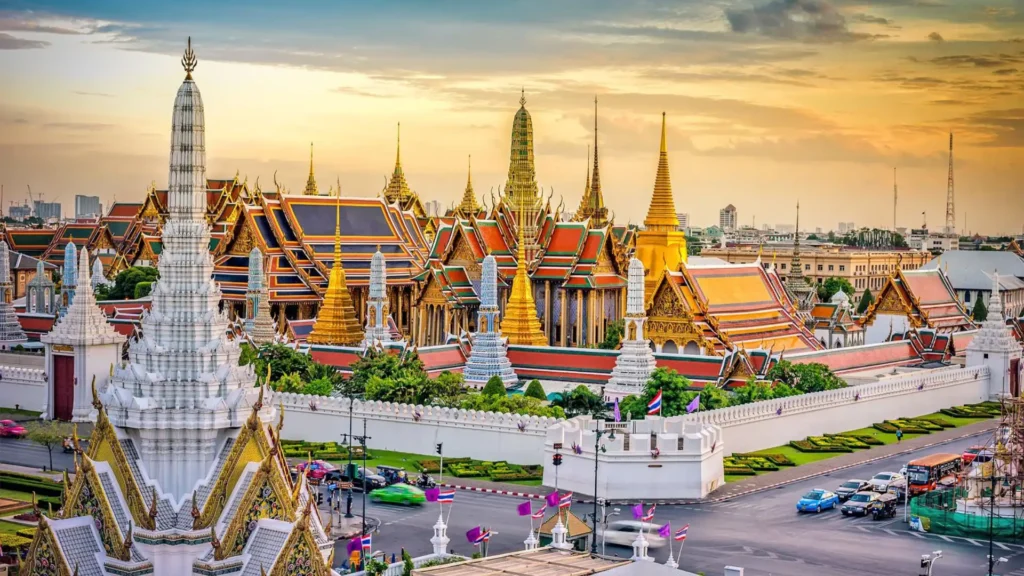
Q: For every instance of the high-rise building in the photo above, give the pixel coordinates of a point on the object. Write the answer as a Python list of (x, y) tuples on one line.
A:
[(727, 218), (47, 210), (684, 220), (87, 206)]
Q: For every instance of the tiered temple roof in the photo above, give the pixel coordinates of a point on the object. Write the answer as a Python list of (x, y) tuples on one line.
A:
[(926, 297)]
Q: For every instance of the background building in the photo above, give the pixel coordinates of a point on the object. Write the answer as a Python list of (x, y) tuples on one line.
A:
[(19, 212), (971, 272), (86, 206), (684, 220), (922, 239), (47, 210), (727, 218)]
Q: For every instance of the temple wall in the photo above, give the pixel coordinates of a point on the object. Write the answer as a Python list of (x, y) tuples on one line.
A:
[(760, 425), (22, 381), (417, 429)]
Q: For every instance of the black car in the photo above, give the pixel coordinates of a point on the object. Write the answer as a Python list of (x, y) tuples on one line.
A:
[(851, 487), (859, 504), (370, 481)]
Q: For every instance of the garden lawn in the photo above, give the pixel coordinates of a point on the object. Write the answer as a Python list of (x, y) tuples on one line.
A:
[(12, 413), (524, 482), (25, 497), (10, 527), (799, 457)]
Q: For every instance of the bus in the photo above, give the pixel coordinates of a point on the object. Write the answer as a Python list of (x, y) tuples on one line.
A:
[(924, 474)]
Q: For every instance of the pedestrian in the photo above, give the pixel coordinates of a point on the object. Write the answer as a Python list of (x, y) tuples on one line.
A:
[(899, 435)]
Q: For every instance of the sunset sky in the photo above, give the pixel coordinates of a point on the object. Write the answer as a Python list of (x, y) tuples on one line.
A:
[(768, 102)]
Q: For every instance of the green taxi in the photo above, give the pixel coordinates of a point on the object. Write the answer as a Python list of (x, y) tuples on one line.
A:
[(399, 494)]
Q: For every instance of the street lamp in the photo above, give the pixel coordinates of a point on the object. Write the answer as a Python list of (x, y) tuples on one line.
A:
[(928, 560), (597, 450), (993, 561)]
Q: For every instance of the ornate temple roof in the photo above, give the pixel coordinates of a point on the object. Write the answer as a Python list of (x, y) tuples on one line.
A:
[(926, 297)]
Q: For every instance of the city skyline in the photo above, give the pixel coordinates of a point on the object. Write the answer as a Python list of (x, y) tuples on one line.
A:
[(768, 103)]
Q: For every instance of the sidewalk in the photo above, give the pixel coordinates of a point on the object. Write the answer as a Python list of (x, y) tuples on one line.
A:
[(797, 473), (33, 471)]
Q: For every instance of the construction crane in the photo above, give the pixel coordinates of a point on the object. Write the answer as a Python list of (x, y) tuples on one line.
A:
[(32, 200)]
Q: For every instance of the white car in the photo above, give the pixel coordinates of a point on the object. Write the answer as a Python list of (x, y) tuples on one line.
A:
[(882, 481), (624, 532)]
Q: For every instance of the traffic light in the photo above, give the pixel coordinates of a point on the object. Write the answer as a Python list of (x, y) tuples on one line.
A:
[(439, 446), (556, 459)]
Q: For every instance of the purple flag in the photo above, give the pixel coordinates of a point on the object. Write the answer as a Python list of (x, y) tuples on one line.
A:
[(618, 415), (354, 544), (474, 534), (552, 499), (432, 494), (665, 531), (525, 509), (693, 405), (638, 511)]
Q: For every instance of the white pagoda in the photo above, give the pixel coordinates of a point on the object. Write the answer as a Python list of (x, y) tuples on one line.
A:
[(489, 356), (635, 363), (183, 475), (11, 333), (69, 277), (377, 328), (259, 325)]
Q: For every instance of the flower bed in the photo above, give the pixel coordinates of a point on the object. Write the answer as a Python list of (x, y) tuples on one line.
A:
[(756, 463), (808, 446), (498, 471), (25, 483), (320, 450), (983, 410), (863, 438)]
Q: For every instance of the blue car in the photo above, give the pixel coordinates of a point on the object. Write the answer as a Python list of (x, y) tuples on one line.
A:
[(817, 500)]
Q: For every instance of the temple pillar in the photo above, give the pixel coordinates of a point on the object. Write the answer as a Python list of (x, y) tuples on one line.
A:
[(601, 328), (563, 317), (547, 311), (579, 318)]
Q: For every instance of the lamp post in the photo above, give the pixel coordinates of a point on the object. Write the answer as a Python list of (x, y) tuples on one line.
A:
[(348, 469), (597, 450), (928, 561), (362, 442)]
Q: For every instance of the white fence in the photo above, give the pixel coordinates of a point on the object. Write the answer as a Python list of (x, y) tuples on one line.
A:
[(761, 425), (22, 382), (417, 429), (398, 568)]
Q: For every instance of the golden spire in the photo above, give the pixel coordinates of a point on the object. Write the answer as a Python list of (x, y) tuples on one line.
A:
[(469, 205), (189, 60), (583, 212), (598, 212), (397, 188), (311, 189), (662, 213), (336, 323), (520, 324)]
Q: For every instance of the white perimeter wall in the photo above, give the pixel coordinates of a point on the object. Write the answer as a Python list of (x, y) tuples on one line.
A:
[(22, 381), (417, 429), (759, 425)]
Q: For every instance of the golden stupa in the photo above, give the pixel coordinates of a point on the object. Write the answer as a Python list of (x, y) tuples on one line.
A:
[(520, 324), (661, 245), (311, 189), (336, 323), (469, 206)]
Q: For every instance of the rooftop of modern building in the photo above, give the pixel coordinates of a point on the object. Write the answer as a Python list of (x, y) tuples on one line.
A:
[(973, 270)]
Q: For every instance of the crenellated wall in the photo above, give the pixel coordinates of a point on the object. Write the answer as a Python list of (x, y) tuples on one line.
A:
[(22, 381), (417, 429), (761, 425)]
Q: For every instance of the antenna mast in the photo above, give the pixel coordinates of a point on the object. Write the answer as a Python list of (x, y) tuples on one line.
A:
[(950, 209), (895, 196)]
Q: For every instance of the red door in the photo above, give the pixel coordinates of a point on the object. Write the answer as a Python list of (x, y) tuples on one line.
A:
[(1015, 378), (63, 386)]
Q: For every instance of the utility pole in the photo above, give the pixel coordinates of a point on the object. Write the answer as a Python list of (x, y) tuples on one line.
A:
[(597, 450), (348, 470), (895, 196)]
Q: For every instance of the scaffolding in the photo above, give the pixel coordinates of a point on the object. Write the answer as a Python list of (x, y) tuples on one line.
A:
[(989, 499)]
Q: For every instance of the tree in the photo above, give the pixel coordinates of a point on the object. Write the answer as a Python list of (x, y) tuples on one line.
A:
[(448, 390), (282, 360), (758, 391), (49, 434), (865, 300), (831, 286), (385, 365), (319, 387), (494, 387), (675, 395), (613, 335), (980, 311), (517, 404), (581, 400), (535, 390), (812, 236), (127, 280), (375, 567), (289, 383), (407, 564), (142, 289), (403, 389), (248, 354), (805, 378)]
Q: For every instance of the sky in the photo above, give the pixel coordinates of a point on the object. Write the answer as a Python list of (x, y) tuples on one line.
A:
[(768, 102)]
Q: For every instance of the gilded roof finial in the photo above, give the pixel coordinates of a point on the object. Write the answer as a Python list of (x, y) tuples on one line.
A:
[(189, 60), (398, 147), (311, 189), (522, 97)]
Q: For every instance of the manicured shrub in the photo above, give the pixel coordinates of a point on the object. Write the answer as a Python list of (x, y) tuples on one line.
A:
[(884, 427), (739, 471), (806, 446)]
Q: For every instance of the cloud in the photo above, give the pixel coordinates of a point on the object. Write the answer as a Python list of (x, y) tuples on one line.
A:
[(936, 37), (98, 94), (817, 148), (986, 61), (365, 93), (15, 22), (801, 20), (78, 126), (1005, 128), (8, 42), (1005, 72), (721, 76), (872, 19)]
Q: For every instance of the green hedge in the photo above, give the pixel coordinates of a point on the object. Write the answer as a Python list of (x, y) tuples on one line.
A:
[(515, 476), (737, 471), (40, 487), (864, 438), (938, 420), (983, 410), (26, 533), (807, 446)]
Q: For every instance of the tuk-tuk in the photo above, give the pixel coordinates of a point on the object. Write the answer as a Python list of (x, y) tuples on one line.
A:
[(392, 474), (884, 507)]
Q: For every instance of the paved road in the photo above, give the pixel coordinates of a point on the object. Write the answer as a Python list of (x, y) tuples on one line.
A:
[(24, 452), (761, 532)]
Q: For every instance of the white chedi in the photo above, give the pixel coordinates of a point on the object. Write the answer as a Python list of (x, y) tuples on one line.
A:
[(635, 363), (489, 355), (377, 309)]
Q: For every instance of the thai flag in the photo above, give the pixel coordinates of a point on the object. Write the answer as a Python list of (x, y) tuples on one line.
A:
[(539, 513), (484, 536), (681, 533), (446, 496), (565, 501), (654, 406), (367, 542), (650, 514)]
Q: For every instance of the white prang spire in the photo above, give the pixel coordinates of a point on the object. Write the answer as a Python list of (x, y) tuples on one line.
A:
[(489, 356), (377, 329), (635, 363), (994, 346), (11, 333), (183, 391)]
